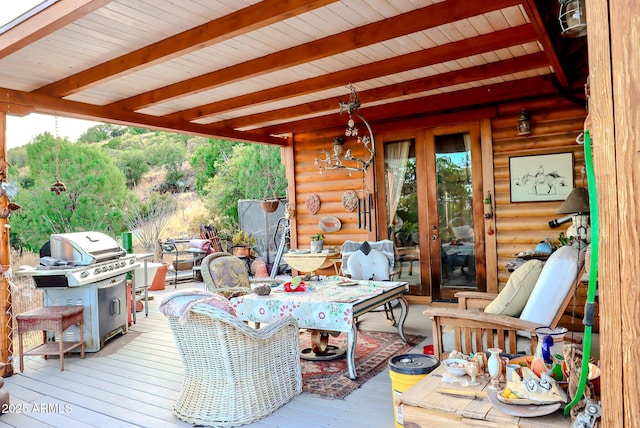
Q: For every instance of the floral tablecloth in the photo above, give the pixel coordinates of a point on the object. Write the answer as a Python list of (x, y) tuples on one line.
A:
[(324, 305)]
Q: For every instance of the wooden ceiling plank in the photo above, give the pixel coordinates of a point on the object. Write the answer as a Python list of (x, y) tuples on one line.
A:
[(400, 25), (477, 45), (202, 36), (533, 86), (56, 106), (532, 11), (471, 74), (47, 21)]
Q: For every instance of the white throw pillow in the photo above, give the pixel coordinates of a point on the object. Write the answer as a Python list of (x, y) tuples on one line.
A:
[(371, 266), (514, 296), (554, 282)]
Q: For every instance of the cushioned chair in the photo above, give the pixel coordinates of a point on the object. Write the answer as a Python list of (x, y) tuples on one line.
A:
[(370, 261), (535, 296), (225, 274), (234, 374)]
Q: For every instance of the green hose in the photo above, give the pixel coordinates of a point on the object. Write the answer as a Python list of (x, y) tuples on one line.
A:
[(593, 275)]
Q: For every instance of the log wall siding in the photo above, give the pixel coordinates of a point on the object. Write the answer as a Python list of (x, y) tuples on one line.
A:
[(556, 122), (329, 186), (555, 125)]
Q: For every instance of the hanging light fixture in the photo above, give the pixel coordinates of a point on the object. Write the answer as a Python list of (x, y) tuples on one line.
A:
[(57, 187), (573, 18), (524, 123), (338, 157)]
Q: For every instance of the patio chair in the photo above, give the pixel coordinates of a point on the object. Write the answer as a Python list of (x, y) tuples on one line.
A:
[(225, 274), (234, 374), (370, 261), (523, 305)]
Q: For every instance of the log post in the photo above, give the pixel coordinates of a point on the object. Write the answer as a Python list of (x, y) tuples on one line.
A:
[(6, 322)]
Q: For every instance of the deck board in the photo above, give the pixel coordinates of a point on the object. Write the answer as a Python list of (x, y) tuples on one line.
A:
[(134, 380)]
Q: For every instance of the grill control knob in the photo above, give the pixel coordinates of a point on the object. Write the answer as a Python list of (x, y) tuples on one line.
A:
[(97, 271), (84, 274)]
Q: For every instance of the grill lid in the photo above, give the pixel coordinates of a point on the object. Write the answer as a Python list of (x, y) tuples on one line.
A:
[(84, 248)]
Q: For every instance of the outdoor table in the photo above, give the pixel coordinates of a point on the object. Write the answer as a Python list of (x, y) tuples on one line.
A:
[(326, 305)]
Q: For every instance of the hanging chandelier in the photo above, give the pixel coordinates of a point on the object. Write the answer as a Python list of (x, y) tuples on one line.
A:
[(341, 158)]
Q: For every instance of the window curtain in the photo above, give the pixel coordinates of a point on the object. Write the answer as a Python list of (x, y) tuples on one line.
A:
[(396, 156)]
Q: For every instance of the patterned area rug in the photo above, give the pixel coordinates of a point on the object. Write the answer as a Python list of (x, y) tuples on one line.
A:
[(329, 379)]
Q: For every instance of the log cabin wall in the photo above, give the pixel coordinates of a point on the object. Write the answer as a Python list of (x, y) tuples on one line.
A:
[(330, 187), (556, 122)]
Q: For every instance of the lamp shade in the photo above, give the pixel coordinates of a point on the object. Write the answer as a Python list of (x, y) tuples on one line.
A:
[(576, 202)]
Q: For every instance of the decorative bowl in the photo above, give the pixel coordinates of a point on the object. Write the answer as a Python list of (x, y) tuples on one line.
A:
[(455, 366)]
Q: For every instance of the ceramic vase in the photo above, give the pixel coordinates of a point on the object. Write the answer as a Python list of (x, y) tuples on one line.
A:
[(494, 367)]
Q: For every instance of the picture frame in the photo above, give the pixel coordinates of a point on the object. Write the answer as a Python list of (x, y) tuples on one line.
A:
[(541, 178)]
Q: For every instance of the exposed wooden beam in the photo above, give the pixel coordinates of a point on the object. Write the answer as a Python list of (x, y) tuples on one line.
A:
[(439, 54), (15, 109), (530, 87), (40, 25), (443, 80), (250, 18), (400, 25), (51, 105), (532, 12)]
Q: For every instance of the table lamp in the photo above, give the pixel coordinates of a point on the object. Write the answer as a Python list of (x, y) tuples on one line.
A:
[(577, 204)]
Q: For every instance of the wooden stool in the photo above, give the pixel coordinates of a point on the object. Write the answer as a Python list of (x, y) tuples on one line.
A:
[(51, 318)]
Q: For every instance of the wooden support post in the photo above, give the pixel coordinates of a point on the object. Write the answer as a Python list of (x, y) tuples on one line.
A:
[(6, 324)]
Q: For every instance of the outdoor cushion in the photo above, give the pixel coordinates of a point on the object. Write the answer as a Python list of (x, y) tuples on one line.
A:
[(514, 296), (557, 276), (374, 265)]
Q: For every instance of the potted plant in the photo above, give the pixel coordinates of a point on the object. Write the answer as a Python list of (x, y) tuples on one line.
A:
[(317, 242), (243, 241)]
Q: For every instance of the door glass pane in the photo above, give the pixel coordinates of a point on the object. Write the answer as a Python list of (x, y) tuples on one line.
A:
[(402, 208), (455, 213)]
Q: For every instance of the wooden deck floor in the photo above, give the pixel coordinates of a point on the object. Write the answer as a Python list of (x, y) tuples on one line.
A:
[(134, 380)]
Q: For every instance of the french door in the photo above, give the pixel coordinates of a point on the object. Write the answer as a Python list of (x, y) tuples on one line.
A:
[(454, 210)]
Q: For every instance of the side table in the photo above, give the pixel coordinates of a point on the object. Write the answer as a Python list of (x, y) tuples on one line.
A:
[(51, 318)]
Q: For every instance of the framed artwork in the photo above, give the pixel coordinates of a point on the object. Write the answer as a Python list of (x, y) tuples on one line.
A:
[(541, 177)]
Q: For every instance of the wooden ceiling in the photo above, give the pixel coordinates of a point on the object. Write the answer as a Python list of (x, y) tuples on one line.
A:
[(253, 70)]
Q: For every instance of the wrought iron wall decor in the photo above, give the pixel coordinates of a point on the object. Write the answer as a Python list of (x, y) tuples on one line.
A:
[(341, 158)]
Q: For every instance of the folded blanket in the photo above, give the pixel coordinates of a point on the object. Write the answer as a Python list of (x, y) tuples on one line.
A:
[(179, 303)]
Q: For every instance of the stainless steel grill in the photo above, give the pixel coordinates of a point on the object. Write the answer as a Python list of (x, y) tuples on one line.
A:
[(80, 258), (89, 269)]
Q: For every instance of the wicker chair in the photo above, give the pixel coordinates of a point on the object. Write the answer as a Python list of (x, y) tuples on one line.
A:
[(234, 375)]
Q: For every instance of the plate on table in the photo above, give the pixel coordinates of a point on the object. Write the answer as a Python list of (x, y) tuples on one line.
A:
[(521, 410), (294, 251), (347, 283)]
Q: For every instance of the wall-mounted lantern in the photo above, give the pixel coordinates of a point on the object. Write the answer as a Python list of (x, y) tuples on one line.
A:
[(524, 123)]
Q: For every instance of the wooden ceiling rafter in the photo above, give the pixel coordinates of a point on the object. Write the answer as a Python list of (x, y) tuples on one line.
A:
[(55, 106), (538, 24), (475, 97), (438, 54), (424, 84), (45, 22), (250, 18), (376, 32)]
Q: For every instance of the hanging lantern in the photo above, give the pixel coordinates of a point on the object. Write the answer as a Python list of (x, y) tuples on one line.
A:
[(58, 187), (573, 18), (524, 123)]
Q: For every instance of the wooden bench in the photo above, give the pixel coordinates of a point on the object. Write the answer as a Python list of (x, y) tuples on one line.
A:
[(51, 318)]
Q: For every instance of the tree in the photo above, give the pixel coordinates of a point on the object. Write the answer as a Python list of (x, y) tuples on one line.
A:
[(133, 164), (250, 172), (206, 159), (101, 132), (94, 198)]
